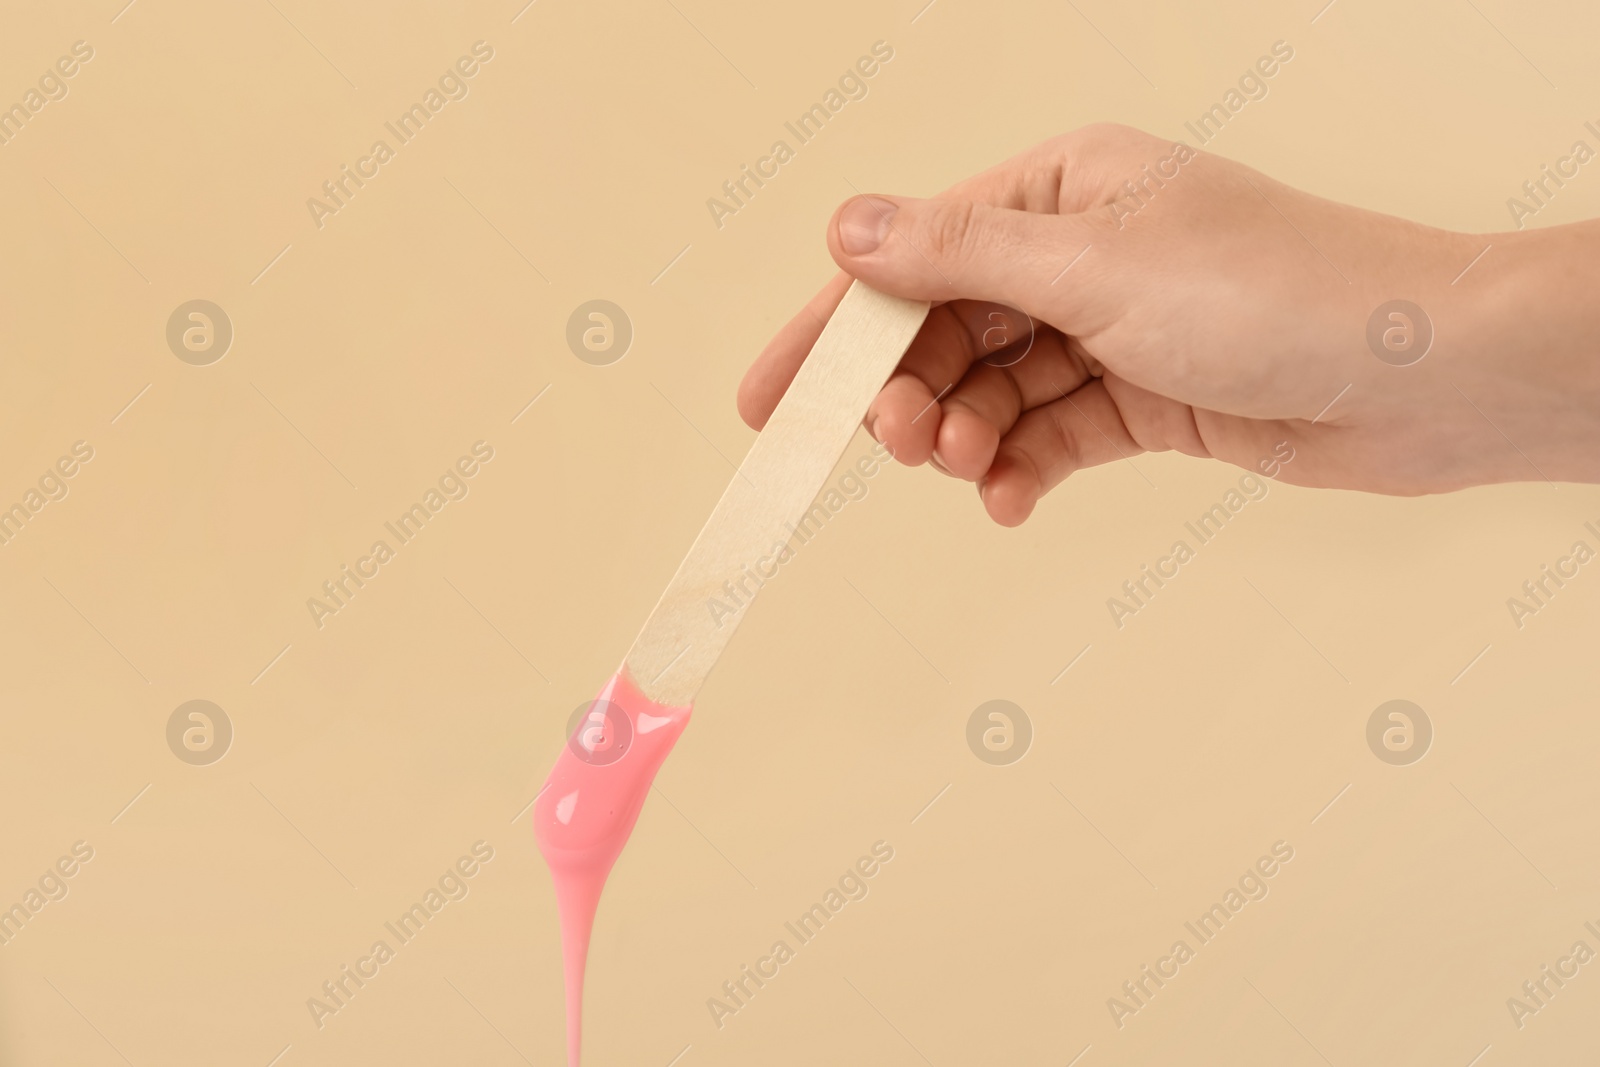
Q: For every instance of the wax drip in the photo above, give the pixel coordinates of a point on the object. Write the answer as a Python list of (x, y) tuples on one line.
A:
[(587, 810)]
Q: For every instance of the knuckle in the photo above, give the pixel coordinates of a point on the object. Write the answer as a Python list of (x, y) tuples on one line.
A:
[(952, 230), (1096, 135), (1108, 140), (1111, 134), (1066, 440)]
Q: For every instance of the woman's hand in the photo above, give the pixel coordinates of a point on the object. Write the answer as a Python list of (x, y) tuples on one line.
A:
[(1172, 299)]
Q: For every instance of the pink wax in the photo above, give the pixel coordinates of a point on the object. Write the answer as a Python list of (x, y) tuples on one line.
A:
[(587, 810)]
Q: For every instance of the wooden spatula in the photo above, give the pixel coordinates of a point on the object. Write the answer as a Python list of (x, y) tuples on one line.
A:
[(775, 485), (595, 792)]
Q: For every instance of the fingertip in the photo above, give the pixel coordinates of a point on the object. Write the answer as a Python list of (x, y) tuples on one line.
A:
[(859, 226), (768, 378), (752, 409), (906, 441), (868, 240), (967, 443), (906, 419), (1009, 492)]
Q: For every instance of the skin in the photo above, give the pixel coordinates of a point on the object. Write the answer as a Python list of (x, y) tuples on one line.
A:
[(1218, 313)]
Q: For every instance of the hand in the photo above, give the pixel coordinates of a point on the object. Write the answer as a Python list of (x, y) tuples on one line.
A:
[(1172, 299)]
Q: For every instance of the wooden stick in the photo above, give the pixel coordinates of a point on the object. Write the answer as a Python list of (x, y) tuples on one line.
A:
[(774, 487)]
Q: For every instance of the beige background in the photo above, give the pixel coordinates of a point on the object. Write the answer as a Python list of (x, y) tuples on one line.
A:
[(370, 754)]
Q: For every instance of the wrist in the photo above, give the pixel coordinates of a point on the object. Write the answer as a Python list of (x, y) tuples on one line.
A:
[(1525, 328)]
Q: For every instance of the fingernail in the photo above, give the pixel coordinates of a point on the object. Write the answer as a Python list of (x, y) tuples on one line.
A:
[(876, 436), (864, 224)]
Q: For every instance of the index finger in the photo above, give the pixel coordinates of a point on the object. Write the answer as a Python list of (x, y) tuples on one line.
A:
[(769, 376)]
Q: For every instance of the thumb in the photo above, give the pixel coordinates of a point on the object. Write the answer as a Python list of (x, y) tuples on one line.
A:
[(956, 249)]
